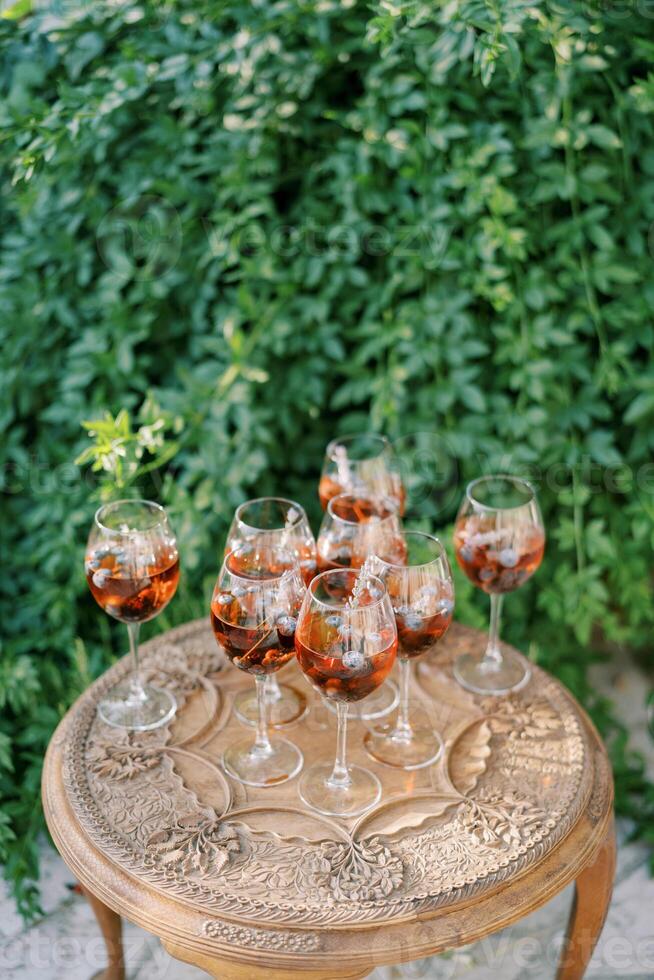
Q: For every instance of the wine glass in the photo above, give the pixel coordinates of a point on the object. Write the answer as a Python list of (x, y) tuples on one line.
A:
[(358, 525), (353, 528), (346, 641), (362, 464), (132, 568), (283, 523), (422, 596), (499, 540), (253, 616)]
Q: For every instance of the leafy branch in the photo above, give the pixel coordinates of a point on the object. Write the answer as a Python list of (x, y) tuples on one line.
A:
[(124, 454)]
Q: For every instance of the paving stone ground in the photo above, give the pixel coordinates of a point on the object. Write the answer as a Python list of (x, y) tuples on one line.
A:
[(66, 943)]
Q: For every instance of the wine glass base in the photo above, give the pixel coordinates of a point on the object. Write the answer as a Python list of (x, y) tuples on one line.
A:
[(290, 707), (363, 791), (391, 747), (481, 676), (377, 705), (121, 709), (246, 763)]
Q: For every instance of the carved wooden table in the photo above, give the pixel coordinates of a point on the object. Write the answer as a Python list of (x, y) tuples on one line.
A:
[(247, 883)]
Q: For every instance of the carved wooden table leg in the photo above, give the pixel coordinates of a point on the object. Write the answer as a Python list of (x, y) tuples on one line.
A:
[(111, 926), (591, 901), (229, 970)]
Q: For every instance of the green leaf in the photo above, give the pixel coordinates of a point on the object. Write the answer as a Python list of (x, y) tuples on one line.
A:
[(640, 407), (604, 137)]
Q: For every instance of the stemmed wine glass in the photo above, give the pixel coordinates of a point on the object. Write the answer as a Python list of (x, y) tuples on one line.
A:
[(362, 464), (353, 528), (132, 568), (499, 540), (422, 595), (281, 523), (253, 615), (358, 525), (346, 641)]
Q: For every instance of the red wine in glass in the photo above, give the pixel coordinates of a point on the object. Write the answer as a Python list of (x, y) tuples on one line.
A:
[(346, 643), (254, 611), (126, 595), (355, 527), (132, 570), (363, 464), (422, 595), (499, 541)]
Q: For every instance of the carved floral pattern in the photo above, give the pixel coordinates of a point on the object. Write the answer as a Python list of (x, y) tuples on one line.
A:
[(506, 810), (168, 668), (520, 717), (144, 804), (355, 870), (299, 942), (501, 821), (122, 756), (196, 844)]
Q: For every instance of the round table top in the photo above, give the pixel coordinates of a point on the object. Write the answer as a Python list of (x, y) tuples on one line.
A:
[(150, 823)]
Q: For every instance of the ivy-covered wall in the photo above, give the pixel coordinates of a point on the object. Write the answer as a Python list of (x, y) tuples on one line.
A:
[(280, 219)]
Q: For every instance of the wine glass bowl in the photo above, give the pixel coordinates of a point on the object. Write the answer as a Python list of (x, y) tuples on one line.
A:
[(132, 562), (283, 523), (254, 610), (132, 570), (346, 643), (362, 464), (499, 547), (421, 592), (499, 542), (253, 623), (356, 526), (353, 528), (334, 652)]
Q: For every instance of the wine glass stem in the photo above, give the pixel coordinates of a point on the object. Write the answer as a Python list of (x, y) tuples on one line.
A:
[(340, 777), (137, 692), (262, 741), (403, 726), (273, 692), (493, 654)]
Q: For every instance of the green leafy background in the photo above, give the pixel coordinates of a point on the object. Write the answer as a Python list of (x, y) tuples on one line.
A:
[(254, 224)]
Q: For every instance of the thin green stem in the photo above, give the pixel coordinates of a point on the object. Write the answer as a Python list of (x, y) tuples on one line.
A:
[(571, 174), (578, 521)]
